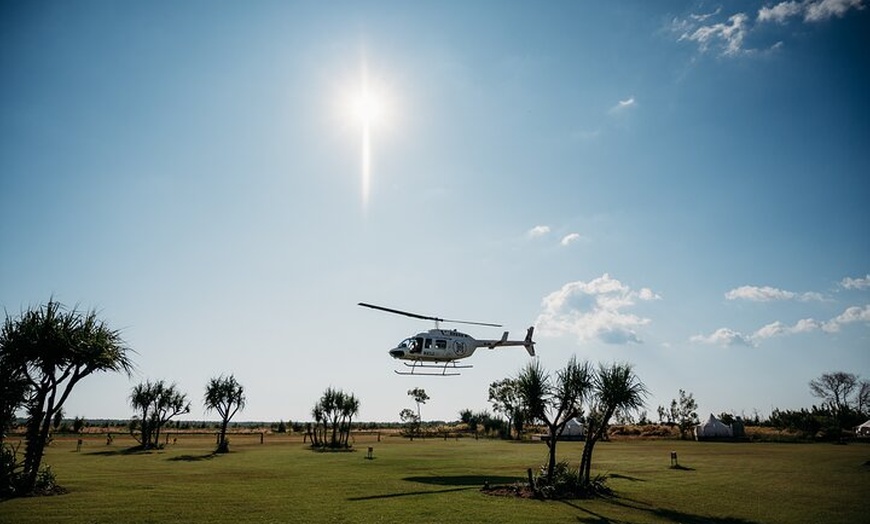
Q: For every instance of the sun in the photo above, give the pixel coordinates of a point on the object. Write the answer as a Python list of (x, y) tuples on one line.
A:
[(367, 107)]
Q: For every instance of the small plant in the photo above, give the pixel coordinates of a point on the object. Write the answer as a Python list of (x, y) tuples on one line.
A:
[(46, 483), (10, 471), (566, 484)]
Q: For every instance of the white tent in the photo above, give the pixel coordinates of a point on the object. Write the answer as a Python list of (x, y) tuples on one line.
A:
[(573, 429), (863, 430), (712, 429)]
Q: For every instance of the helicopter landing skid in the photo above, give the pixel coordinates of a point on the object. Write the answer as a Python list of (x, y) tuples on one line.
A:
[(448, 366)]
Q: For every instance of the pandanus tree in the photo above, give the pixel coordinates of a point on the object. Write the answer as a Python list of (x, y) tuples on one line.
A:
[(334, 411), (226, 396), (615, 388), (157, 403), (554, 402), (45, 352)]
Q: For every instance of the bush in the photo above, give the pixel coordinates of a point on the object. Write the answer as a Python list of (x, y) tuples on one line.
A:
[(12, 472), (46, 483), (9, 472), (566, 484)]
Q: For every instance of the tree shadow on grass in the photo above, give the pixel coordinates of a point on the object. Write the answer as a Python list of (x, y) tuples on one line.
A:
[(464, 480), (121, 452), (406, 494), (193, 458), (669, 515), (625, 477), (463, 483)]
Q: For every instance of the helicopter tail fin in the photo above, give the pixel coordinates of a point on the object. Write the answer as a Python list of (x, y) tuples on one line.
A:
[(529, 343)]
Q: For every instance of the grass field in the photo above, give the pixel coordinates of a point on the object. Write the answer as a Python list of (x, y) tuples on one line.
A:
[(439, 481)]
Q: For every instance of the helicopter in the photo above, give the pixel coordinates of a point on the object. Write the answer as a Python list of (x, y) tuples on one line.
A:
[(436, 352)]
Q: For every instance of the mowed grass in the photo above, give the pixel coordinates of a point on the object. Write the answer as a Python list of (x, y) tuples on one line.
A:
[(439, 481)]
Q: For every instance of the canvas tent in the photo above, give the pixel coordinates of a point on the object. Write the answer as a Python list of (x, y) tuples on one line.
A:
[(863, 430), (573, 430), (712, 429)]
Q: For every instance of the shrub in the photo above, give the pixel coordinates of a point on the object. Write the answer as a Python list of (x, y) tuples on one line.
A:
[(10, 471), (566, 484)]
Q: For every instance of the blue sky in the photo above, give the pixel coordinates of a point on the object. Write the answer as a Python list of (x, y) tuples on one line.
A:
[(679, 185)]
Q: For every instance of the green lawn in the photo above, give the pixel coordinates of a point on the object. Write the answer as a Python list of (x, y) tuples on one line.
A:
[(439, 481)]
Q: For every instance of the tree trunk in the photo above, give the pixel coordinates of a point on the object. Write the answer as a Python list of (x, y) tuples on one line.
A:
[(222, 442), (551, 460), (591, 438)]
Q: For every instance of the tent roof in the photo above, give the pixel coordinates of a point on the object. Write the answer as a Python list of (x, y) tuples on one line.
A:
[(713, 422)]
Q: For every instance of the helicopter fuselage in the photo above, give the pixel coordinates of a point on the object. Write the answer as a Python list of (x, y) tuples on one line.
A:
[(436, 345), (447, 345)]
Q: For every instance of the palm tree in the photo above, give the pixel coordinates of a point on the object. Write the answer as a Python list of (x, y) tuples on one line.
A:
[(52, 349), (318, 415), (616, 387), (553, 404), (159, 403), (349, 409), (227, 397), (143, 398)]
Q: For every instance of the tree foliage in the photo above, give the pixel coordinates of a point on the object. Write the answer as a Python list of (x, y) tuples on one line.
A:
[(333, 416), (554, 402), (411, 421), (683, 412), (505, 399), (420, 397), (44, 353), (842, 393), (157, 403), (615, 388), (226, 396)]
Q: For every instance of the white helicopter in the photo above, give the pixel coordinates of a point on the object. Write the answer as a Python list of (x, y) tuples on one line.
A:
[(439, 349)]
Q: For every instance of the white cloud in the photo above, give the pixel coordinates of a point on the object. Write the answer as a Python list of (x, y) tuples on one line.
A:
[(624, 105), (824, 9), (725, 337), (779, 12), (727, 36), (810, 10), (702, 17), (852, 315), (538, 231), (728, 337), (594, 310), (569, 238), (777, 328), (856, 283), (768, 294)]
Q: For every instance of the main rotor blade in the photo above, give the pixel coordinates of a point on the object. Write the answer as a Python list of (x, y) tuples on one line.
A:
[(424, 317), (399, 312)]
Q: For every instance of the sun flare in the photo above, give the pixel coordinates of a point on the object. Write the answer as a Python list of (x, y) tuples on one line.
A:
[(367, 108)]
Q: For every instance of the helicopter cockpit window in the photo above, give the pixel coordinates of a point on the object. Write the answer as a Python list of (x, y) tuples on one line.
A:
[(440, 344), (428, 343), (412, 344)]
